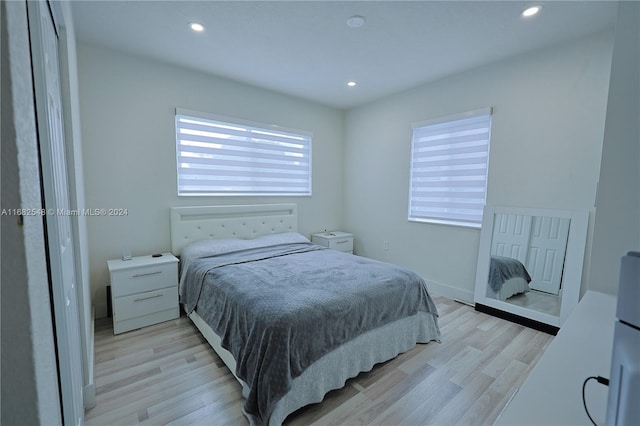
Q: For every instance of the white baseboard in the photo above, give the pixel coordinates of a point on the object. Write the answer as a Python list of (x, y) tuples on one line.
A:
[(89, 390), (449, 292), (89, 394), (100, 310)]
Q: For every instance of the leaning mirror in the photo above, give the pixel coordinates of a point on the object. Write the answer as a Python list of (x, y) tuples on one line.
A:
[(530, 264)]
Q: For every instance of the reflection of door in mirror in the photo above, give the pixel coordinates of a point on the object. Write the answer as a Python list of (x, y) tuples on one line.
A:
[(511, 233), (546, 253)]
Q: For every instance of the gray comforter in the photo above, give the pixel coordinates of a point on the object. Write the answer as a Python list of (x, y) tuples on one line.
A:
[(502, 269), (280, 308)]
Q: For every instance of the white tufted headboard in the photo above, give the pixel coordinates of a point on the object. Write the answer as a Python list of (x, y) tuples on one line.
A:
[(189, 224)]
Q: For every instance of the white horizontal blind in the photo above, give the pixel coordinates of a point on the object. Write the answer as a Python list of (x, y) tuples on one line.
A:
[(222, 156), (449, 169)]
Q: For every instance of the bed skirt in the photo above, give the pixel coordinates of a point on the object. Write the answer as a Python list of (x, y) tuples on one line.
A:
[(333, 369), (509, 288)]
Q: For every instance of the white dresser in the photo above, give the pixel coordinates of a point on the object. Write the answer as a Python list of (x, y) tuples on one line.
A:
[(336, 240), (144, 291), (552, 394)]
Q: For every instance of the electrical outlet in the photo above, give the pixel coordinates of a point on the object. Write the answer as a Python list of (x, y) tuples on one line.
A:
[(386, 245)]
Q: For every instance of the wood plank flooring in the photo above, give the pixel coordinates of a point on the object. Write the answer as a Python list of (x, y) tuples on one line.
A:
[(167, 374)]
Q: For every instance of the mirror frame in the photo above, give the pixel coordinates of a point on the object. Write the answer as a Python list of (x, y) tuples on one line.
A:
[(571, 277)]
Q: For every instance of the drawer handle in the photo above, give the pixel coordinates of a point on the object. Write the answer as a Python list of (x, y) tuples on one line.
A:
[(147, 274), (342, 242), (140, 299)]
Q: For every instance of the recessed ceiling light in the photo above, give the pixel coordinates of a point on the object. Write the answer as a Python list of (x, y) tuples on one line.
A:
[(196, 27), (531, 11), (355, 21), (352, 84)]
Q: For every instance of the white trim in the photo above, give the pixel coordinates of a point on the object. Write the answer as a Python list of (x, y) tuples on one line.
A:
[(453, 117), (449, 292), (218, 117), (89, 389), (446, 222), (51, 121)]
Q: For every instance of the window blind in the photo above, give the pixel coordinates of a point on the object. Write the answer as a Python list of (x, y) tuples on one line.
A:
[(449, 161), (222, 156)]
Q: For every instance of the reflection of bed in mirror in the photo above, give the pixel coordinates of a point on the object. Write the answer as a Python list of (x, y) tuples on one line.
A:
[(507, 277)]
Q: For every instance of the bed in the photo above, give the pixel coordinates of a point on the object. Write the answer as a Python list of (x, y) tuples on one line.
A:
[(507, 277), (290, 341)]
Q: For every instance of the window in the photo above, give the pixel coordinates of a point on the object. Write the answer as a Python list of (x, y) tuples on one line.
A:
[(222, 156), (449, 160)]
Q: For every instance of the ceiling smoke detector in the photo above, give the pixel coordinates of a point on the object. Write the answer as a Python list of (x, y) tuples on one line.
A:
[(355, 21)]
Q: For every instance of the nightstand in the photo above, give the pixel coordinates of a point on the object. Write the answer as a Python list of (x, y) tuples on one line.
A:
[(341, 241), (144, 291)]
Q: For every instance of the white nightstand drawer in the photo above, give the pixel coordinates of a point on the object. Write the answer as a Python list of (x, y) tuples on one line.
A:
[(341, 244), (145, 320), (137, 305), (142, 279)]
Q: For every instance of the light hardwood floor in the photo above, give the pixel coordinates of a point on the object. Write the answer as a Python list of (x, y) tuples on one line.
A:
[(168, 374), (538, 301)]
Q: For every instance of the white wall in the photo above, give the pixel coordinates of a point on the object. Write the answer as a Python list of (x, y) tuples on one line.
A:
[(128, 137), (617, 219), (549, 109)]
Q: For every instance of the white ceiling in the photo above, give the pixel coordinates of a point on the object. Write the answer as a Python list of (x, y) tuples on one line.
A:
[(305, 48)]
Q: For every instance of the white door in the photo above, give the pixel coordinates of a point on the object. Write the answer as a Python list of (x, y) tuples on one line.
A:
[(546, 253), (46, 71), (511, 236)]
